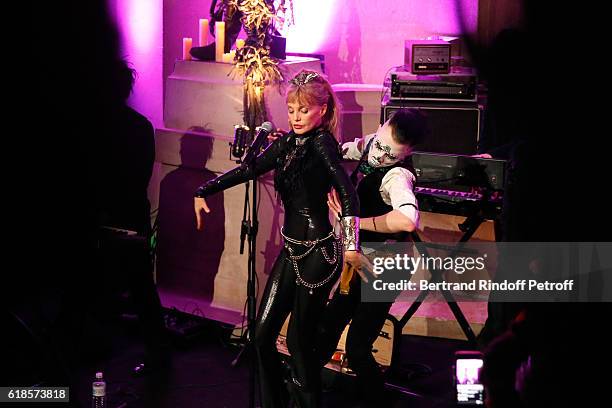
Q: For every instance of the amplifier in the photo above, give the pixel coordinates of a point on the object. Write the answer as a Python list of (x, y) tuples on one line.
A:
[(433, 87), (454, 127), (427, 56)]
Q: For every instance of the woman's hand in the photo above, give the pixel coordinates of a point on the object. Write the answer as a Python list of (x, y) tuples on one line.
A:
[(276, 134), (333, 202), (199, 204), (359, 263)]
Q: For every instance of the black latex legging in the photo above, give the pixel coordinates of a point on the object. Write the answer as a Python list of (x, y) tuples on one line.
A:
[(367, 321), (283, 296)]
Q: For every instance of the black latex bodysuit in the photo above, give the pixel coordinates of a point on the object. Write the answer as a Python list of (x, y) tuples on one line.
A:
[(307, 166)]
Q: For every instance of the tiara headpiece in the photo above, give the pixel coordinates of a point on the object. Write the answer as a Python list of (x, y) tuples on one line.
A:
[(304, 78)]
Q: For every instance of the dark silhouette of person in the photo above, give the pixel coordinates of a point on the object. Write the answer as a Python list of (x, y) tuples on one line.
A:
[(130, 151), (128, 157), (506, 136), (56, 205), (543, 354)]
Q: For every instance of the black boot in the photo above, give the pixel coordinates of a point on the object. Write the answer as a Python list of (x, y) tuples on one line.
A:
[(303, 398)]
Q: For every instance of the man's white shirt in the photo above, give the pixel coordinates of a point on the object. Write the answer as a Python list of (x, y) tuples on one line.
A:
[(396, 188)]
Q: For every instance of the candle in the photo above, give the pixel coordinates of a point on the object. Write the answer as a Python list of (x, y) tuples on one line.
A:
[(187, 42), (203, 32), (219, 40), (239, 43), (227, 58)]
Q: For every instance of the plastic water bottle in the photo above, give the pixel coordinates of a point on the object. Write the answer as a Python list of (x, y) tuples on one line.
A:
[(98, 399)]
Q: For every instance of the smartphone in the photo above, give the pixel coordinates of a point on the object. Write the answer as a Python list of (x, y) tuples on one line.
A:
[(468, 385)]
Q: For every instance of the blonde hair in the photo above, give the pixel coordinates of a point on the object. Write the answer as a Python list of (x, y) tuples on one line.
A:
[(311, 88)]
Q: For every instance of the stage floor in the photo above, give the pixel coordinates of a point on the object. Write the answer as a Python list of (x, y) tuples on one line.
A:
[(202, 376), (432, 319)]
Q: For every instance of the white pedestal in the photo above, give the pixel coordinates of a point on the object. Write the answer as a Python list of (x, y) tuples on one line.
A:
[(204, 269), (201, 94)]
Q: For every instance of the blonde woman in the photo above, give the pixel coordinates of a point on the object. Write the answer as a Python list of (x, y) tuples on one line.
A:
[(307, 164)]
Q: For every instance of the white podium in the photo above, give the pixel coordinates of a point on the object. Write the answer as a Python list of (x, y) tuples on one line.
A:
[(200, 93), (203, 270)]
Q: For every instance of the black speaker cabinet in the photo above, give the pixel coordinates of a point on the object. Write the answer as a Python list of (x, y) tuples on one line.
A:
[(454, 127)]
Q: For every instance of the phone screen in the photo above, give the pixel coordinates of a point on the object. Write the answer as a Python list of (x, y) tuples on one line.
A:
[(470, 390)]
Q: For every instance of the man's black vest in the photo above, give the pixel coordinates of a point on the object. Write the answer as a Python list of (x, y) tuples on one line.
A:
[(370, 200)]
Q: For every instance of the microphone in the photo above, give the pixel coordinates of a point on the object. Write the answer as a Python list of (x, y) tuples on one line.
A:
[(262, 134), (241, 133)]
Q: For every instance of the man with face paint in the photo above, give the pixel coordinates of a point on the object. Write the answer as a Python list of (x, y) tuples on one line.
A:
[(389, 211)]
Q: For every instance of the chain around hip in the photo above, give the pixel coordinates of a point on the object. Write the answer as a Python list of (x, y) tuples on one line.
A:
[(313, 245)]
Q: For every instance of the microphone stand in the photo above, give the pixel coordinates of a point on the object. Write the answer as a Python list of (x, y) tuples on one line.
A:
[(249, 228)]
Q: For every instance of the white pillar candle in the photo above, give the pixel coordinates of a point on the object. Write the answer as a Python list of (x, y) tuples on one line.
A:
[(219, 40), (187, 42), (203, 32)]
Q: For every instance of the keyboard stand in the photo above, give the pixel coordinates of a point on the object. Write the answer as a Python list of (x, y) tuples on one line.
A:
[(468, 227)]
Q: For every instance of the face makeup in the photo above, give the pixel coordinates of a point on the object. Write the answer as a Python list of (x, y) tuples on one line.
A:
[(384, 150)]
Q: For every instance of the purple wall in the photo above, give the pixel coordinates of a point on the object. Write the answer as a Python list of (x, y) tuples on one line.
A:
[(361, 39), (141, 28)]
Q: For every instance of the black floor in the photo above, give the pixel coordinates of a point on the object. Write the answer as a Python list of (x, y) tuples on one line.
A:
[(202, 375)]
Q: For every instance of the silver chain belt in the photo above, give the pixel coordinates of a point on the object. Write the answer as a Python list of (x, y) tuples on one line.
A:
[(312, 245)]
